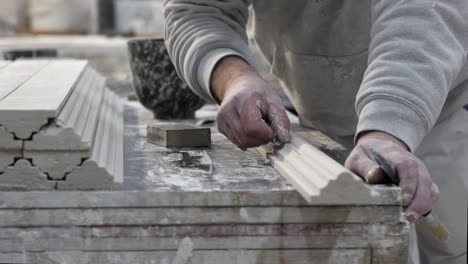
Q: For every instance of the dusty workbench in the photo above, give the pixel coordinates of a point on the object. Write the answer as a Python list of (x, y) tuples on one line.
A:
[(211, 205)]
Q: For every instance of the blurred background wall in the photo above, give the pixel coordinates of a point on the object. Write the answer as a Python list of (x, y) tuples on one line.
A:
[(96, 30), (124, 17)]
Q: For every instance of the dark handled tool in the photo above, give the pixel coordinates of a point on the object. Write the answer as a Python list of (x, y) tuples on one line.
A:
[(428, 221), (390, 170)]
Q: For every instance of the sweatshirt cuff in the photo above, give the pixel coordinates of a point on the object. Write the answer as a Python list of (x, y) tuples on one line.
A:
[(207, 66), (395, 118)]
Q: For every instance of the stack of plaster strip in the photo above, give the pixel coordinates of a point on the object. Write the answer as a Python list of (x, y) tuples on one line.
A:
[(59, 126)]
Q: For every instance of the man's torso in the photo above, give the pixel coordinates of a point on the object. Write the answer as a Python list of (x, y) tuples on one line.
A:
[(319, 50)]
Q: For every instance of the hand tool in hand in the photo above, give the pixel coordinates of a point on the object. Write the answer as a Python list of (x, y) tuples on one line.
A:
[(275, 140), (429, 221)]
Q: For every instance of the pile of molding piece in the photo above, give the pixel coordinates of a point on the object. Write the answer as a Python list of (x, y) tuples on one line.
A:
[(59, 127)]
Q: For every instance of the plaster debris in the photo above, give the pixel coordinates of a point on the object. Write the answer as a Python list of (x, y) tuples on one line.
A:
[(185, 251)]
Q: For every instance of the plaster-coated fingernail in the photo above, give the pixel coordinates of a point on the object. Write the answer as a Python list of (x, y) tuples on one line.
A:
[(412, 217)]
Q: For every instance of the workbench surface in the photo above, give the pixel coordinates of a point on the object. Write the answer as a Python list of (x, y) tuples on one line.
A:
[(221, 175), (221, 167), (210, 205)]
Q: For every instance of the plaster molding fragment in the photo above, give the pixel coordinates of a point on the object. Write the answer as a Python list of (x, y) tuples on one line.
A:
[(315, 175), (184, 252)]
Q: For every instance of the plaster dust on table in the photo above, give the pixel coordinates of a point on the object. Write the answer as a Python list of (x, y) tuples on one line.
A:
[(175, 181), (219, 167), (185, 161)]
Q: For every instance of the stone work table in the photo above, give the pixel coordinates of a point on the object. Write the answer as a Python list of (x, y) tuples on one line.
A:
[(216, 205)]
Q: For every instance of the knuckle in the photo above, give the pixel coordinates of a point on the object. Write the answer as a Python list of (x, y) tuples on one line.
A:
[(348, 163), (354, 158), (352, 162), (408, 164), (408, 170)]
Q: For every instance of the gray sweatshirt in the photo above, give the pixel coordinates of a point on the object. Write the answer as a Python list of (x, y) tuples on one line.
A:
[(396, 66)]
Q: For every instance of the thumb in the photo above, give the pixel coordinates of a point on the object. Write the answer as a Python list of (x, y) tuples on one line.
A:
[(368, 169)]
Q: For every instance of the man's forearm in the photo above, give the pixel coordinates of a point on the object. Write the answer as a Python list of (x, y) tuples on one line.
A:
[(199, 33), (228, 70)]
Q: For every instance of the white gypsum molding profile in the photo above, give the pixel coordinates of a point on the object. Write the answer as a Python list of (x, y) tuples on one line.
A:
[(322, 180)]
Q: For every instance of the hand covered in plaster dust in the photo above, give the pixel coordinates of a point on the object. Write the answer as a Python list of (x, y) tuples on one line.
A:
[(250, 113), (419, 192)]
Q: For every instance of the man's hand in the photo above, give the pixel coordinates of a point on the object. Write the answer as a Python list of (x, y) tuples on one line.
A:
[(251, 114), (419, 193)]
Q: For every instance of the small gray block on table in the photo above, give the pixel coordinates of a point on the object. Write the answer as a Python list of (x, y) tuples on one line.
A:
[(178, 135)]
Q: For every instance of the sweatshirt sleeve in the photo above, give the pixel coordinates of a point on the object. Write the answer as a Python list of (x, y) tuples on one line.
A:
[(199, 33), (417, 49)]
